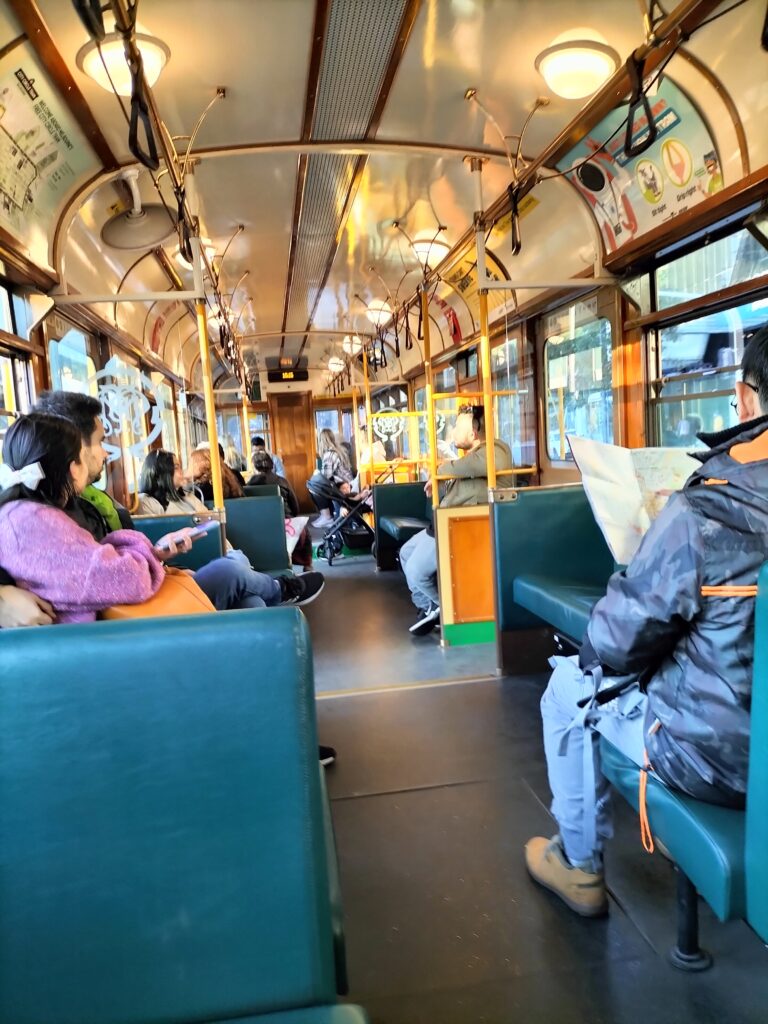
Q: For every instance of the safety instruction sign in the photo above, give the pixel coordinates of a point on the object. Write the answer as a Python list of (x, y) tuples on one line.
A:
[(629, 196), (43, 152)]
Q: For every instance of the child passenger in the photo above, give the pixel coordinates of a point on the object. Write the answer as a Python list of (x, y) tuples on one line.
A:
[(44, 550)]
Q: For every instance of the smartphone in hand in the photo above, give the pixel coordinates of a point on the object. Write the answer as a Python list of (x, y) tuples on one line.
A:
[(195, 534)]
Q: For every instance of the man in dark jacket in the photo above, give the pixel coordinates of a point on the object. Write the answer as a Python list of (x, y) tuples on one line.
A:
[(681, 619)]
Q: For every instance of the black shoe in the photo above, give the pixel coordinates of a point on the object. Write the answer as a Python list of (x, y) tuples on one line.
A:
[(426, 622), (327, 756), (300, 590)]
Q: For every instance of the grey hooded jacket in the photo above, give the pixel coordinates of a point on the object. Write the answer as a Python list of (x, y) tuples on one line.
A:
[(683, 614)]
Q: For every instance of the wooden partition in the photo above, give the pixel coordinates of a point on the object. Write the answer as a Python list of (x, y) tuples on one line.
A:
[(465, 569), (293, 436)]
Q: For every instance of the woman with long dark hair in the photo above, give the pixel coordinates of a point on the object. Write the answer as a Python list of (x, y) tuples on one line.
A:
[(44, 550), (162, 489)]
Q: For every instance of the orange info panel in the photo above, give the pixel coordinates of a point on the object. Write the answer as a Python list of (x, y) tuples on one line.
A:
[(471, 568)]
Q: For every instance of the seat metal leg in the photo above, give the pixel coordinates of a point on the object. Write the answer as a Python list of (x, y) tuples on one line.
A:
[(687, 955)]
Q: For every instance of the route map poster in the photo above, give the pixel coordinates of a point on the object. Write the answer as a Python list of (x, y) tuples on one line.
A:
[(43, 152), (628, 197)]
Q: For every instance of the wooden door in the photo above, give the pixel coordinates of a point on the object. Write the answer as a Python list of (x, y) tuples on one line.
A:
[(293, 437)]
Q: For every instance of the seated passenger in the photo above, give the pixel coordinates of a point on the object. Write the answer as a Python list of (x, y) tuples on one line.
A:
[(228, 583), (418, 556), (202, 474), (43, 548), (264, 472), (680, 619), (334, 467), (163, 489), (258, 444), (20, 608)]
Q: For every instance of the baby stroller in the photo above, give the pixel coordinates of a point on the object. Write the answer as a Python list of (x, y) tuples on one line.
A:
[(350, 528)]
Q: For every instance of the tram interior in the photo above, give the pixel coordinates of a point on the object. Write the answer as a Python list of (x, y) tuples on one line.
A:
[(362, 217)]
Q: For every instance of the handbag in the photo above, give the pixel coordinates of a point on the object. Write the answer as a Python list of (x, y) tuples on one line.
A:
[(178, 595)]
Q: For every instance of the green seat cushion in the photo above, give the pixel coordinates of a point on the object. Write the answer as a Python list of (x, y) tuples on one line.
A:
[(402, 528), (203, 551), (311, 1015), (706, 841), (565, 605)]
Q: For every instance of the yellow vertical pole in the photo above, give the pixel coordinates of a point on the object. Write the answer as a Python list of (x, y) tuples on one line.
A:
[(431, 427), (355, 429), (485, 366), (561, 420), (247, 428), (368, 414), (210, 405)]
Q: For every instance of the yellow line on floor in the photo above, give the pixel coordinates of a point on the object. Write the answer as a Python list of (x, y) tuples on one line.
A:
[(429, 684)]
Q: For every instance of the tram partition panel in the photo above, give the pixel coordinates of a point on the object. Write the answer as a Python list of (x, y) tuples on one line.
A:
[(164, 852)]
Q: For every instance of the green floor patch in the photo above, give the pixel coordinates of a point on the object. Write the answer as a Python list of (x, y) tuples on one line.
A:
[(469, 633)]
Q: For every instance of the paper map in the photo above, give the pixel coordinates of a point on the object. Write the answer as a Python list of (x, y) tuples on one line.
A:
[(628, 487)]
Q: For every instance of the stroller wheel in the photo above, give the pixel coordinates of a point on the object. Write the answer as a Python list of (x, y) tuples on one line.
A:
[(321, 551)]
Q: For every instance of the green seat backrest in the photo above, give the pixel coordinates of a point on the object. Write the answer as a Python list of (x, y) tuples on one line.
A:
[(204, 550), (545, 531), (260, 490), (756, 854), (162, 853), (257, 527), (396, 500)]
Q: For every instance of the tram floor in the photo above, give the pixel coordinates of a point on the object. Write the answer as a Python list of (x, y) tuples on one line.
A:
[(360, 637), (434, 793)]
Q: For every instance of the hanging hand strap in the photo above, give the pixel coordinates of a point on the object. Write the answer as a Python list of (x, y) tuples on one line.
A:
[(638, 99), (140, 117)]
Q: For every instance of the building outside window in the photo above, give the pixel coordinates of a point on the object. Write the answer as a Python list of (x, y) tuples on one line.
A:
[(578, 378)]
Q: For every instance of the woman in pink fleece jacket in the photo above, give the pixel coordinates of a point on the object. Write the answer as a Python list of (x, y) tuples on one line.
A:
[(43, 548)]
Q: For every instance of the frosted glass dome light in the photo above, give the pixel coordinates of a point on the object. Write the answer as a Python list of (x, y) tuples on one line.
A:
[(378, 312), (154, 56), (577, 63), (352, 344)]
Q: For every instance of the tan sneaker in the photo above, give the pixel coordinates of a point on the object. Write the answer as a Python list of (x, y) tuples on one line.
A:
[(582, 891)]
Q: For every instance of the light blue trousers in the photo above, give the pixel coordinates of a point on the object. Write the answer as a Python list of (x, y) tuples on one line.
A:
[(580, 793), (418, 557)]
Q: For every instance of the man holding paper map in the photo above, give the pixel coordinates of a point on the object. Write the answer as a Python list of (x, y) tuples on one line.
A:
[(678, 624)]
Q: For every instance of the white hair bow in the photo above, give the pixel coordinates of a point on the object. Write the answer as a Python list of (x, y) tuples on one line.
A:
[(30, 476)]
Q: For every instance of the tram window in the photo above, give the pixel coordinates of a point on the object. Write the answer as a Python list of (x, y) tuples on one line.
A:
[(72, 368), (514, 414), (6, 319), (579, 386), (327, 419), (728, 261), (164, 397), (699, 366), (445, 380), (8, 405), (258, 424)]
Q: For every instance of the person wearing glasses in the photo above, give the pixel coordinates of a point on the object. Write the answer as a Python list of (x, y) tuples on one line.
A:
[(678, 625)]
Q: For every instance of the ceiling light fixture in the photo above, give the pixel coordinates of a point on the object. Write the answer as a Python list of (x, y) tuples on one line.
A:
[(378, 312), (577, 63), (336, 364), (352, 344), (154, 56), (430, 250)]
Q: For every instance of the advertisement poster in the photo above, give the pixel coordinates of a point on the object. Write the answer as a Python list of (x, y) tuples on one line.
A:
[(630, 196), (43, 152)]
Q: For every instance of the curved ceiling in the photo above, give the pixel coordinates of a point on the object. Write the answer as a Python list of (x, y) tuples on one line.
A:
[(319, 239)]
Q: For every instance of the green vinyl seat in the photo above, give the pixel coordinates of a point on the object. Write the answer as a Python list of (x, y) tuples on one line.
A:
[(722, 851), (705, 841), (260, 490), (166, 852), (565, 605), (400, 511), (257, 527), (204, 550), (402, 528)]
